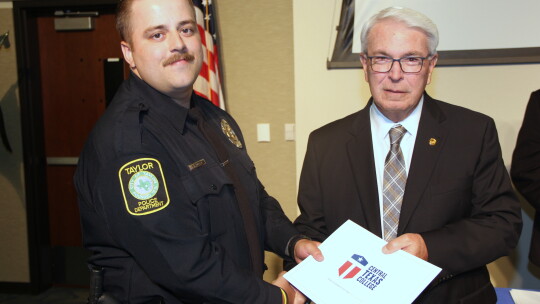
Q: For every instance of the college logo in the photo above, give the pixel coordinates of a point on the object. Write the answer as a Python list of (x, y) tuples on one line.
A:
[(143, 186), (357, 267), (349, 271)]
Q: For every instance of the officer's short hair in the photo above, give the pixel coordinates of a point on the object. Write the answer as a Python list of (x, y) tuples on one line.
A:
[(123, 14)]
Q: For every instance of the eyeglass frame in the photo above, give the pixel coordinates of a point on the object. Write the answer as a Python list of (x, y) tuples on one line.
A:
[(429, 57)]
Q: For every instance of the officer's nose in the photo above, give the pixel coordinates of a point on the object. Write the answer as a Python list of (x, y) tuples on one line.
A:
[(176, 42)]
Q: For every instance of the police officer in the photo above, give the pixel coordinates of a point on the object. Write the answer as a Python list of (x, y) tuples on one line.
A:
[(170, 203)]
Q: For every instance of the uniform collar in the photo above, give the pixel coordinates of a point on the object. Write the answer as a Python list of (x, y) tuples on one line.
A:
[(164, 105)]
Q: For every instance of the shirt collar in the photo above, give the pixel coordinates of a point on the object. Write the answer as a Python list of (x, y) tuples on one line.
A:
[(381, 124), (176, 114), (163, 104)]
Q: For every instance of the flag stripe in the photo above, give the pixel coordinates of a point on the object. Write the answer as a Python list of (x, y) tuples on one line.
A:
[(208, 84)]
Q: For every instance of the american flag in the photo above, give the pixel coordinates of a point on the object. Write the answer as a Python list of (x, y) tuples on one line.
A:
[(208, 84)]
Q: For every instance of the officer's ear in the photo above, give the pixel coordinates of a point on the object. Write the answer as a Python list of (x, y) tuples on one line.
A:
[(128, 54)]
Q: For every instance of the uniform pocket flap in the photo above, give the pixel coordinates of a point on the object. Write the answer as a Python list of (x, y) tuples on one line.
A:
[(205, 180)]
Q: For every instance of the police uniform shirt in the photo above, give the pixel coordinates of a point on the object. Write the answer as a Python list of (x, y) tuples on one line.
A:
[(158, 211)]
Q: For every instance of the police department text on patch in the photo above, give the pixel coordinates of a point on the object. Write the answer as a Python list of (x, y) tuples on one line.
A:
[(143, 186)]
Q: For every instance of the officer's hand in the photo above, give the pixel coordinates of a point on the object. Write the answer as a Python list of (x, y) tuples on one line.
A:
[(304, 248), (299, 298), (412, 243), (284, 284)]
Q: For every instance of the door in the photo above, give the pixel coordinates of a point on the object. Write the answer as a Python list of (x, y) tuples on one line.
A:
[(73, 93)]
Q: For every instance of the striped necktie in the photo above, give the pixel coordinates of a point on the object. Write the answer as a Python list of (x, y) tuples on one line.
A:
[(395, 178)]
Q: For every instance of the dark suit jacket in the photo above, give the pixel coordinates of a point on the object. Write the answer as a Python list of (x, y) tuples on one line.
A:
[(458, 194), (526, 167)]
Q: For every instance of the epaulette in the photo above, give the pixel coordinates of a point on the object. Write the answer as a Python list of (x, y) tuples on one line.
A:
[(130, 134)]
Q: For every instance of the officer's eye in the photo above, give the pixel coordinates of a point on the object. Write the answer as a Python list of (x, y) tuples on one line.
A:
[(157, 36), (187, 31)]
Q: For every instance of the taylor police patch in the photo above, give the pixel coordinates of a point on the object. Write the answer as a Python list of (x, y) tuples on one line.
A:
[(143, 186)]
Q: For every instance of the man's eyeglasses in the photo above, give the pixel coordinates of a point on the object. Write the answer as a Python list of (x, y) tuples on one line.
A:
[(409, 64)]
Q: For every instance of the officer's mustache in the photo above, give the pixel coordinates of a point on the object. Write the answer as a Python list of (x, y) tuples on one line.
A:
[(177, 57)]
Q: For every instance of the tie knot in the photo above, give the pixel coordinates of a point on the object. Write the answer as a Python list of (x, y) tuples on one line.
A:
[(396, 134)]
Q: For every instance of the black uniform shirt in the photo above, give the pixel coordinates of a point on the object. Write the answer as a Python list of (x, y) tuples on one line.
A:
[(159, 212)]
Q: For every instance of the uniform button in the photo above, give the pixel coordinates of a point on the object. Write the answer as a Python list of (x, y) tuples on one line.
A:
[(213, 187)]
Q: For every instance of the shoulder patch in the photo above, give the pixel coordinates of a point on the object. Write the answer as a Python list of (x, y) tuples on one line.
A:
[(143, 186)]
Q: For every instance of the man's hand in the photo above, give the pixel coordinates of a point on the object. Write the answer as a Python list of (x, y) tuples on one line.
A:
[(284, 284), (304, 248), (412, 243), (299, 298), (293, 295)]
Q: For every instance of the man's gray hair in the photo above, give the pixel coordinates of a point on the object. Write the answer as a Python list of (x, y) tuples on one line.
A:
[(408, 16)]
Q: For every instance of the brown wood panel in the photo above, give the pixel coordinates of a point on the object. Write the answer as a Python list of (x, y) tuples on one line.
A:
[(72, 81), (64, 218), (73, 96)]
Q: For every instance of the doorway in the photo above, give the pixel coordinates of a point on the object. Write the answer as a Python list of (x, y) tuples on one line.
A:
[(64, 89)]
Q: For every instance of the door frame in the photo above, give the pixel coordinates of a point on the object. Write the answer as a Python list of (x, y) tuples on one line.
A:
[(25, 14)]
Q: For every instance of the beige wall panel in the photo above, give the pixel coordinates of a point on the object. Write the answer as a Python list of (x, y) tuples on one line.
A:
[(257, 57), (14, 265)]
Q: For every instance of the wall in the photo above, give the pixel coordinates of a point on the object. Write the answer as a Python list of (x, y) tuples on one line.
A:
[(323, 95), (14, 265), (257, 56)]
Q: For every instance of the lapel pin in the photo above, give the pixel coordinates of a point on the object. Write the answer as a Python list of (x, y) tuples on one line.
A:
[(432, 141)]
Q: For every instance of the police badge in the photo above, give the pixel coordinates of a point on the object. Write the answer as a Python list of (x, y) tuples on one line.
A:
[(227, 130)]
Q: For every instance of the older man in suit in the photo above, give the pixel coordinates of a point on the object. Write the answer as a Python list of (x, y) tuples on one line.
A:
[(526, 168), (425, 175)]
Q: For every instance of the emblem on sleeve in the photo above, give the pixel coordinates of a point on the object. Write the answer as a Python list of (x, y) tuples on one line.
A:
[(143, 186), (227, 130)]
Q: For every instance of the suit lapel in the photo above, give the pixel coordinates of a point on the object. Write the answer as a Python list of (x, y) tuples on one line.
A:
[(430, 140), (360, 153)]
